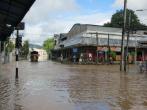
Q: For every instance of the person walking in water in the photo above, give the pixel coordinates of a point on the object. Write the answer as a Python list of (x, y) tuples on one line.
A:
[(61, 58), (74, 59)]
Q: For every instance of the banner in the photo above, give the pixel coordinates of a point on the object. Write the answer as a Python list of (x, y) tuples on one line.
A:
[(102, 49)]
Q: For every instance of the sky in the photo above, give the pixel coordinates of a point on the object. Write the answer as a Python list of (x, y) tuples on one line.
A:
[(49, 17)]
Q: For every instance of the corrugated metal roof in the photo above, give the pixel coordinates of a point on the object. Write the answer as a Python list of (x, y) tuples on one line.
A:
[(11, 14), (98, 28), (79, 28)]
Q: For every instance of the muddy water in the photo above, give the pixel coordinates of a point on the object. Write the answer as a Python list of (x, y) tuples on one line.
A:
[(52, 86)]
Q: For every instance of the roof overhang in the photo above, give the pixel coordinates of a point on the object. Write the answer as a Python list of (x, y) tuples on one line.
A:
[(11, 14)]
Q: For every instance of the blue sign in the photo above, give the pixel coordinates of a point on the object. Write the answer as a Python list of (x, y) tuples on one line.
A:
[(75, 50)]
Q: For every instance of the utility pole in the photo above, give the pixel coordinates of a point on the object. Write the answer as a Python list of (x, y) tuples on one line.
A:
[(0, 55), (135, 50), (139, 10), (128, 37), (97, 43), (4, 52), (123, 36), (108, 49)]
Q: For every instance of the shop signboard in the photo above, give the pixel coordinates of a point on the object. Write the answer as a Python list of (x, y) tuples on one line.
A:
[(115, 49), (102, 49), (118, 49), (105, 49)]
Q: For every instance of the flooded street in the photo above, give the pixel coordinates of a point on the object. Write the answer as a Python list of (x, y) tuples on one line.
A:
[(52, 86)]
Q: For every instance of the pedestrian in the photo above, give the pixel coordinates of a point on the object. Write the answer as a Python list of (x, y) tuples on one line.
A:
[(74, 58), (111, 60), (90, 57), (81, 58), (141, 66), (61, 58)]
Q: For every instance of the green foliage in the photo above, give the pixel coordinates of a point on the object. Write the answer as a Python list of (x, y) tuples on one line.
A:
[(48, 45), (25, 49), (9, 47), (132, 53), (113, 54), (108, 24), (117, 20)]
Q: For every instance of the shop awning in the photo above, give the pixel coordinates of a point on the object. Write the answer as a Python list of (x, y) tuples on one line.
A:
[(11, 14)]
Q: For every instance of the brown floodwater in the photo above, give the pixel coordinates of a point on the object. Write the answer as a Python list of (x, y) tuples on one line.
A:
[(52, 86)]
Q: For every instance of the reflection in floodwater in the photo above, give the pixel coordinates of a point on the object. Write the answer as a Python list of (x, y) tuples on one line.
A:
[(5, 94), (52, 86), (17, 96), (6, 89)]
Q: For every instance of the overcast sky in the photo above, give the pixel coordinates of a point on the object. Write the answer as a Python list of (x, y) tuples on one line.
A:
[(48, 17)]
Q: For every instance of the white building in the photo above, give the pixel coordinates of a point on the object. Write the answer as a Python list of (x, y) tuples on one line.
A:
[(94, 38)]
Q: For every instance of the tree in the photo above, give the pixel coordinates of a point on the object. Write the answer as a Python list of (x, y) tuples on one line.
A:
[(117, 20), (48, 45), (9, 47), (25, 49)]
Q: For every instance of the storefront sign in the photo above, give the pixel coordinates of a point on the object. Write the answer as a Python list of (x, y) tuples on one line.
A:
[(118, 49), (115, 49), (102, 49)]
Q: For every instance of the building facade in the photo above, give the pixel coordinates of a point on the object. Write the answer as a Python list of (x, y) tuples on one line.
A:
[(88, 43)]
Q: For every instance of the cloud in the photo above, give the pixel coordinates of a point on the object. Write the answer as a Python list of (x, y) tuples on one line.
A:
[(132, 4), (43, 18), (48, 17), (45, 9), (41, 31), (32, 33)]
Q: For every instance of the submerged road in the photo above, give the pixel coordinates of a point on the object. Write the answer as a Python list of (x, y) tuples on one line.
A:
[(52, 86)]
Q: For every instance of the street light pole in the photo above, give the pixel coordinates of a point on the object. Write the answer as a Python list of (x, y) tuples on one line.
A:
[(17, 51), (123, 35), (136, 39), (0, 55), (128, 35), (108, 49)]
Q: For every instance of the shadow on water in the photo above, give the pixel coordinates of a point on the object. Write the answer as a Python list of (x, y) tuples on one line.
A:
[(10, 93)]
